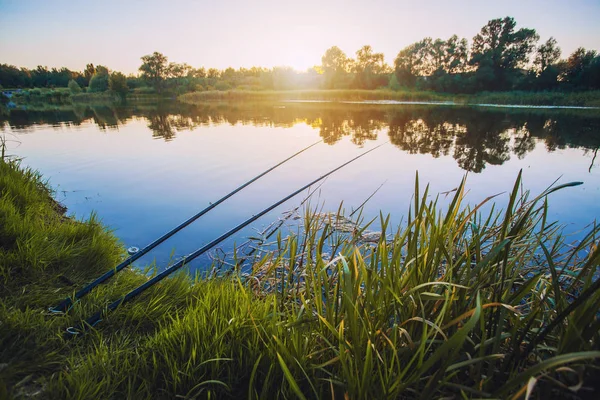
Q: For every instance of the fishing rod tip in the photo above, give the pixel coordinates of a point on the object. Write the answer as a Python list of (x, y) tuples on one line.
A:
[(56, 311), (71, 333)]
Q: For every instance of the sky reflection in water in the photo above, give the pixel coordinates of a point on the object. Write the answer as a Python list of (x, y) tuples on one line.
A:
[(145, 168)]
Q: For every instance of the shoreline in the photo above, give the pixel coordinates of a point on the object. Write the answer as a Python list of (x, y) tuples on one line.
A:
[(247, 332), (575, 100), (524, 99)]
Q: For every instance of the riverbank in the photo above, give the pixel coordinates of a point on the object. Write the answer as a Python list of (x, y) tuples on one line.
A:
[(448, 306), (579, 99), (64, 96)]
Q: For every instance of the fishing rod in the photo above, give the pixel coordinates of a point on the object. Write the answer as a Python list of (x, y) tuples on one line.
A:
[(97, 317), (66, 304)]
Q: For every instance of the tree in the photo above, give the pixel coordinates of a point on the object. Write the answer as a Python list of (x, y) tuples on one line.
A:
[(74, 87), (88, 72), (455, 54), (413, 61), (546, 68), (498, 51), (40, 76), (199, 72), (335, 65), (582, 69), (117, 83), (213, 73), (369, 68), (547, 54), (13, 77), (101, 70), (99, 81), (155, 70)]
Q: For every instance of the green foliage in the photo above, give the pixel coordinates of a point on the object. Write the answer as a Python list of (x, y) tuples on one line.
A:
[(582, 69), (98, 83), (117, 83), (88, 72), (498, 50), (74, 87), (547, 55), (335, 65), (154, 70), (13, 77), (455, 303), (222, 86), (370, 69)]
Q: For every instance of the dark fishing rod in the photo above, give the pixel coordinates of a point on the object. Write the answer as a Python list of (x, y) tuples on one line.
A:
[(65, 305), (97, 317)]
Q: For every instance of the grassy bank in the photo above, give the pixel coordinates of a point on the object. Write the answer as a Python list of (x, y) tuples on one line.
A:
[(62, 96), (580, 99), (589, 99), (315, 95), (455, 303)]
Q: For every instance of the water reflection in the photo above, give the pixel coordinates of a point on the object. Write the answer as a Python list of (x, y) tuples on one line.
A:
[(473, 137)]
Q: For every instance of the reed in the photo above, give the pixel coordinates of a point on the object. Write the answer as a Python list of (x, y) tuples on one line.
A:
[(454, 302)]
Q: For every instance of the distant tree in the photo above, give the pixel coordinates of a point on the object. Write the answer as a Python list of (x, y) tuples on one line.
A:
[(117, 83), (88, 72), (101, 70), (13, 77), (231, 76), (454, 55), (546, 69), (582, 69), (370, 68), (74, 87), (213, 73), (409, 63), (547, 54), (59, 77), (134, 81), (176, 70), (498, 50), (155, 70), (335, 65), (199, 72), (40, 76), (99, 81)]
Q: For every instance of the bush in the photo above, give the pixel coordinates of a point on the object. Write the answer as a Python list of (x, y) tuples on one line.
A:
[(222, 86), (98, 83), (74, 87), (117, 82), (144, 90)]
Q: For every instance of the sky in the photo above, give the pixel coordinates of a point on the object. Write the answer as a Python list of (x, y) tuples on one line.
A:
[(234, 33)]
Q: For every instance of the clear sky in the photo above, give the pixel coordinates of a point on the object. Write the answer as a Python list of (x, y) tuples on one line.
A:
[(223, 33)]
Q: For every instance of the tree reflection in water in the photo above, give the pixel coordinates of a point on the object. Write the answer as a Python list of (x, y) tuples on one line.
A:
[(474, 137)]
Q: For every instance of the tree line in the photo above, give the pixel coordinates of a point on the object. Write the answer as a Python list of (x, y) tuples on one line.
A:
[(499, 58)]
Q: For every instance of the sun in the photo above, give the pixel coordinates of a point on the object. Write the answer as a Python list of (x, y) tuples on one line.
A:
[(300, 47), (303, 61)]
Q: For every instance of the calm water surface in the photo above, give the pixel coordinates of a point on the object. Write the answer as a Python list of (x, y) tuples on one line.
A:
[(143, 169)]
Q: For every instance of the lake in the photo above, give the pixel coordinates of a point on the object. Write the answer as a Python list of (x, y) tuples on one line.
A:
[(142, 169)]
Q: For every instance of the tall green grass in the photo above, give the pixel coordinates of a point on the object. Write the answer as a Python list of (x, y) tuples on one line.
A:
[(453, 303)]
